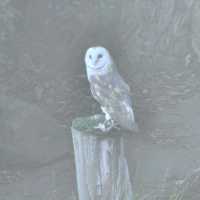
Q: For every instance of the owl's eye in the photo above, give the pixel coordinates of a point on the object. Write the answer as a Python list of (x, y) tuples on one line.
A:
[(100, 56), (90, 56)]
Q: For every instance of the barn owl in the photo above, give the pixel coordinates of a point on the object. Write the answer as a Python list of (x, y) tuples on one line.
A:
[(109, 90)]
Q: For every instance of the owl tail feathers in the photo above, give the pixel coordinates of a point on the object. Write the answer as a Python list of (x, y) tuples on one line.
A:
[(135, 127)]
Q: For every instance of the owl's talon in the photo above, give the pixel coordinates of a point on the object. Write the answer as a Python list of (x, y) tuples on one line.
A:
[(104, 127), (101, 126)]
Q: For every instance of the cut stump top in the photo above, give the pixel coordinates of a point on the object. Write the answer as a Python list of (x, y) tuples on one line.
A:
[(87, 125)]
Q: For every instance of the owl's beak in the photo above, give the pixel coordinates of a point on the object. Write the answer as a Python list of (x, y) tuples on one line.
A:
[(96, 61)]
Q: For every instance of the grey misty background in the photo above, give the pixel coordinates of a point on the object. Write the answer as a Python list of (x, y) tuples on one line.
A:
[(43, 86)]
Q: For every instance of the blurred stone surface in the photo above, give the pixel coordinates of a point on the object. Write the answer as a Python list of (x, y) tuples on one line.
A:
[(43, 86), (28, 132)]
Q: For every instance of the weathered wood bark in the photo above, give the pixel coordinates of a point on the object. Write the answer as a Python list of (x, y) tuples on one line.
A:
[(101, 166)]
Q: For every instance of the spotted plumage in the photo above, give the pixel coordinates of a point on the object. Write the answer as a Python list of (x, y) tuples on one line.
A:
[(109, 89)]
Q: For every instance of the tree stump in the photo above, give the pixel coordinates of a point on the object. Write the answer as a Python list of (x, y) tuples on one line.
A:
[(101, 166)]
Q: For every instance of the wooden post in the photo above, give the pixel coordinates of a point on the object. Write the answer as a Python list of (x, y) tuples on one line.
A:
[(101, 166)]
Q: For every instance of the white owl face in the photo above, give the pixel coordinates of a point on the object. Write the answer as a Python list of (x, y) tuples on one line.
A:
[(97, 58)]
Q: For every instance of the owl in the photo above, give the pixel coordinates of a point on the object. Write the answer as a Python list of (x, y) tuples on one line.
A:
[(109, 90)]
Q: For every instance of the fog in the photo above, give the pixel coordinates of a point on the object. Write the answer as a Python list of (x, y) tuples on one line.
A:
[(43, 86)]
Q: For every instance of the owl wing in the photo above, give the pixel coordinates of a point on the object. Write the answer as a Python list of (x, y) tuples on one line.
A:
[(121, 107), (119, 83), (113, 93)]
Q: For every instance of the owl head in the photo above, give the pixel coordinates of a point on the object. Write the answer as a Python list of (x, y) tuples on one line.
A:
[(98, 58)]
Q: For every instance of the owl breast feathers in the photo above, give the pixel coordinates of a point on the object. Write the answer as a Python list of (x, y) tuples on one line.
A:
[(110, 90)]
